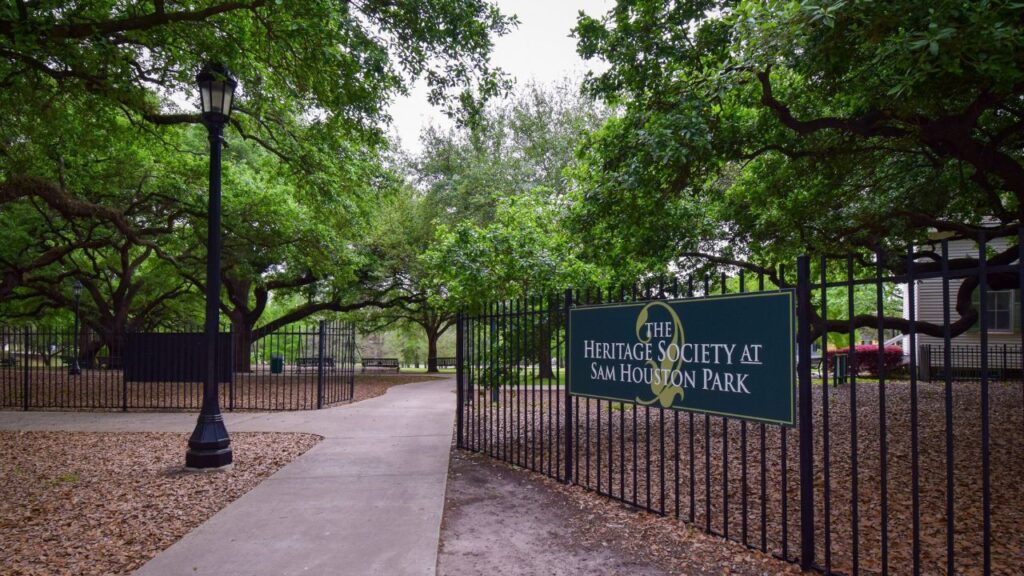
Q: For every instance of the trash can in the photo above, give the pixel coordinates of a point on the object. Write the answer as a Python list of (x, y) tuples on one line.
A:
[(276, 364), (839, 369)]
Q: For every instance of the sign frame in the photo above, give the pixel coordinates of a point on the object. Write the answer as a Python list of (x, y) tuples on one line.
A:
[(791, 365)]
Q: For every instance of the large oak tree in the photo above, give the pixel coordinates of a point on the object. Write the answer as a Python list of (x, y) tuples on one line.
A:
[(755, 130), (315, 81)]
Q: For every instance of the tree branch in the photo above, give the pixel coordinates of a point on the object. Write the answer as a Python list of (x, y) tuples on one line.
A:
[(311, 308), (17, 187), (156, 19), (769, 273), (871, 124)]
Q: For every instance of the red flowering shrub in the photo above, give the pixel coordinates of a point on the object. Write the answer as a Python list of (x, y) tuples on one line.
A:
[(865, 359)]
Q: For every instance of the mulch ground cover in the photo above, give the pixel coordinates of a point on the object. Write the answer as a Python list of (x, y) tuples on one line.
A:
[(632, 453), (82, 504), (104, 390)]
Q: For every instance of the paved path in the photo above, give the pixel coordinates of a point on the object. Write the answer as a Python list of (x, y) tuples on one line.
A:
[(366, 500)]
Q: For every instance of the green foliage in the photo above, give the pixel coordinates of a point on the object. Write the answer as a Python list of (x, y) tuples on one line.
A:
[(310, 71), (98, 164), (103, 170), (498, 192), (412, 351), (521, 252), (758, 130), (518, 144), (865, 302)]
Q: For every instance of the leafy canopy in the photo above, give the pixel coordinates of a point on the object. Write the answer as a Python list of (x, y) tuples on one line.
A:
[(762, 129), (498, 193), (99, 144)]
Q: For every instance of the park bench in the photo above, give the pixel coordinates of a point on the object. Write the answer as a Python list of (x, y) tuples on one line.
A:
[(8, 362), (313, 362), (381, 363), (446, 362)]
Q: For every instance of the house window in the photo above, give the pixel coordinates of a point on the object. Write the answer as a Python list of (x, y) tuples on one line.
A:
[(1000, 310)]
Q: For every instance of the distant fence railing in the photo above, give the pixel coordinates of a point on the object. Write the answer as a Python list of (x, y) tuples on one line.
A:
[(446, 362), (295, 368), (965, 362)]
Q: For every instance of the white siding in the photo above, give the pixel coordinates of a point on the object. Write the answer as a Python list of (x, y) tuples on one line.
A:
[(929, 305)]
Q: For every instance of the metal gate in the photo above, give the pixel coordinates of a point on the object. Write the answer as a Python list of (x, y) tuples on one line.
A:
[(297, 367), (897, 458)]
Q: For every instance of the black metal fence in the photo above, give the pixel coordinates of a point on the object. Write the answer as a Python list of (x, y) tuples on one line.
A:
[(1004, 361), (884, 473), (295, 368)]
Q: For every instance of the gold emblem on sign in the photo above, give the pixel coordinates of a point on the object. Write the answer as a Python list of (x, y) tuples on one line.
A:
[(664, 392)]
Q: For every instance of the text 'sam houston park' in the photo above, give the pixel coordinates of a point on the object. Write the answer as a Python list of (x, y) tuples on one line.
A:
[(729, 355)]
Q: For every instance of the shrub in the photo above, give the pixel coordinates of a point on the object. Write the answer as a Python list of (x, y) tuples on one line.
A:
[(864, 359)]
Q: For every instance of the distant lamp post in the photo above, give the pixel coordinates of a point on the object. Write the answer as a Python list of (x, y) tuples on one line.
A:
[(75, 369), (209, 447)]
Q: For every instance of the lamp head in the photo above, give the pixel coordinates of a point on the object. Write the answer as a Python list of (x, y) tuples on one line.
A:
[(216, 92)]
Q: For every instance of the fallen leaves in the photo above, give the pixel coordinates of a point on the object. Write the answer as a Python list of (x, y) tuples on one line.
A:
[(633, 452), (102, 390), (103, 503)]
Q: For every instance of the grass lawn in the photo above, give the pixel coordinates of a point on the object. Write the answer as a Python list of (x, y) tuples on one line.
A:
[(423, 370)]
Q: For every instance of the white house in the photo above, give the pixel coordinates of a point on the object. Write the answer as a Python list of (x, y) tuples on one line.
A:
[(1003, 312)]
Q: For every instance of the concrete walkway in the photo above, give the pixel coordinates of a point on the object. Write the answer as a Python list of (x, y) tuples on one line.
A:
[(366, 500)]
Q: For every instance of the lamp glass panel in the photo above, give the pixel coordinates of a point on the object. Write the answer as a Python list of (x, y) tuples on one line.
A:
[(228, 95), (217, 93), (204, 91)]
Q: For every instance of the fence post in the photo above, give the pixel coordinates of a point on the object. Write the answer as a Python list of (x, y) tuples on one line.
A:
[(924, 363), (320, 366), (24, 372), (124, 390), (459, 379), (803, 288), (569, 427), (124, 378), (231, 362)]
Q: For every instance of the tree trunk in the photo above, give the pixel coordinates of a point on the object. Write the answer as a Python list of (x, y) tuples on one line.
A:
[(241, 343), (90, 348), (115, 347), (432, 337)]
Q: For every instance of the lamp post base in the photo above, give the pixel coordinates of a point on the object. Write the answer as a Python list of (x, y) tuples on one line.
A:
[(75, 369), (208, 460), (209, 446), (203, 469)]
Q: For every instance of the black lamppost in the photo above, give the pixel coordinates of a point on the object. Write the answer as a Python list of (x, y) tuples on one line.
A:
[(75, 369), (209, 447)]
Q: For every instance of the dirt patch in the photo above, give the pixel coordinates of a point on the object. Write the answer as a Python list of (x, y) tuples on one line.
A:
[(711, 474), (502, 520), (102, 503)]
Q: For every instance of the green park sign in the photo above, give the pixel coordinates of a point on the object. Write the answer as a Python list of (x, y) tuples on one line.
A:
[(730, 355)]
